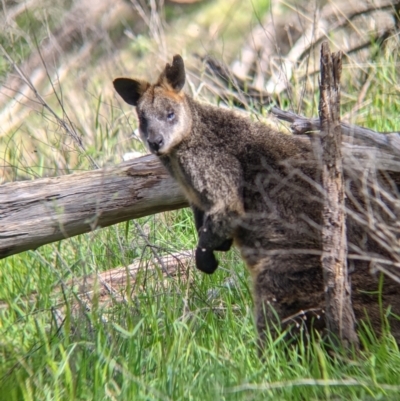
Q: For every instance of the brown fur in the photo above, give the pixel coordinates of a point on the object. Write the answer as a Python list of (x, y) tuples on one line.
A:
[(259, 187)]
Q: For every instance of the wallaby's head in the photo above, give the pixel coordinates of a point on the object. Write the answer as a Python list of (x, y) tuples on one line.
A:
[(164, 116)]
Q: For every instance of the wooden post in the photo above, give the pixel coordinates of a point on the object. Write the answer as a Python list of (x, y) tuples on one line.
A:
[(339, 311)]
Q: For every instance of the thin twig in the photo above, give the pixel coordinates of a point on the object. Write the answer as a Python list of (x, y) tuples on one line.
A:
[(67, 126)]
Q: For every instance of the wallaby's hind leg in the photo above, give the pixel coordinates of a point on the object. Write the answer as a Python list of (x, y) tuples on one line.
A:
[(288, 294)]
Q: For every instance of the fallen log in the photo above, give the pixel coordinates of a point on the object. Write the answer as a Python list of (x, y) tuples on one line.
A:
[(118, 285), (38, 212), (352, 134), (34, 213)]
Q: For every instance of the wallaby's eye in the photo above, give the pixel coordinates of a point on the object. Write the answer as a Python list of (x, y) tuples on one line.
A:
[(171, 116)]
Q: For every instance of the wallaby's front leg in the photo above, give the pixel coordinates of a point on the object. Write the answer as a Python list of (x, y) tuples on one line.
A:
[(219, 188), (199, 221), (215, 235), (218, 229), (205, 258), (198, 215)]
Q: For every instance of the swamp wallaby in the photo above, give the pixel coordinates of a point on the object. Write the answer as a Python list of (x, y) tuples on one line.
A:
[(259, 188)]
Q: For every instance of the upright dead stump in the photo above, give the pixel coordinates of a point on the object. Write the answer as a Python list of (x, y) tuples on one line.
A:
[(339, 311)]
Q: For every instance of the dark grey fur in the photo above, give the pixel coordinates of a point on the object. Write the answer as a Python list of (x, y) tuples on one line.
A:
[(260, 188)]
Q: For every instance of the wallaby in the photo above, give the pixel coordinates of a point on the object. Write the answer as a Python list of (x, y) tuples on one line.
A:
[(259, 188)]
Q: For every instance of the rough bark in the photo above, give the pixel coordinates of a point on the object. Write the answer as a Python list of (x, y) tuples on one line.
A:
[(339, 312), (34, 213)]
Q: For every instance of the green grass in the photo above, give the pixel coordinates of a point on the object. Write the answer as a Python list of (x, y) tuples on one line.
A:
[(188, 337), (174, 339)]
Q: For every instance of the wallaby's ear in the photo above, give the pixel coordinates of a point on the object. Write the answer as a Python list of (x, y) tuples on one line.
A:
[(130, 90), (173, 77)]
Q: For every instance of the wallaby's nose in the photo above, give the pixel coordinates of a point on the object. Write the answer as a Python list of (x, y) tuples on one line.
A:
[(156, 143)]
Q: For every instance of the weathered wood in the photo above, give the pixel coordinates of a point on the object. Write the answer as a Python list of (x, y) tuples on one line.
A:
[(340, 317), (38, 212), (351, 134), (362, 148), (103, 289), (34, 213)]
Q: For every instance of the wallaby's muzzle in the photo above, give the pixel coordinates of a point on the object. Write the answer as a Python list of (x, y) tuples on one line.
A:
[(155, 143)]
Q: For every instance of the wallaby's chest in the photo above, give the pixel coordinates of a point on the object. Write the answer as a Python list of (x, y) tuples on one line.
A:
[(175, 168)]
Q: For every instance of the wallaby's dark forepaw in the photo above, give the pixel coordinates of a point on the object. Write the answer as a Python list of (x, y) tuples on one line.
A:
[(206, 261), (225, 246)]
